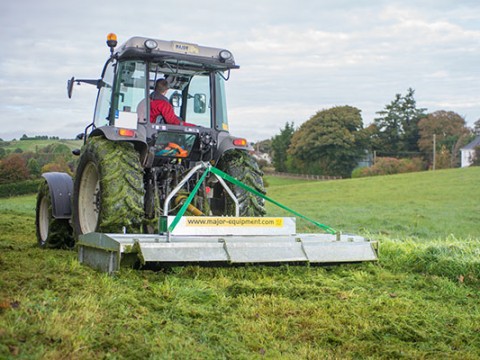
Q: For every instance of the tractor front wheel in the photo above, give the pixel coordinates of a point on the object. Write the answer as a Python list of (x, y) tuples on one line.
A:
[(51, 233)]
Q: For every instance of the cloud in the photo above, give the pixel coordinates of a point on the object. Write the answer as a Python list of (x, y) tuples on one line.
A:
[(296, 57)]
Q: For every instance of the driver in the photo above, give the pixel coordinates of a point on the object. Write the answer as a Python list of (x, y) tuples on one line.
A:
[(160, 106)]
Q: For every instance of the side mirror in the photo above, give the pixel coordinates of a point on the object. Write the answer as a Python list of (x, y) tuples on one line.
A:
[(70, 87), (199, 103)]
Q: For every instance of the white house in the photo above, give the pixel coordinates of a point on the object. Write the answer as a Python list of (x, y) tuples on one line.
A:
[(468, 152), (262, 156)]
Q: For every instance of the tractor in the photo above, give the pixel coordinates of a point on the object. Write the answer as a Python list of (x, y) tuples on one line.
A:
[(128, 165)]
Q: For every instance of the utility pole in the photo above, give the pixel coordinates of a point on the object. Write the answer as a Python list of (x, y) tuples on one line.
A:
[(434, 150)]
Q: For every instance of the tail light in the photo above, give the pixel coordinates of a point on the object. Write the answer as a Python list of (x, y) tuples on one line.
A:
[(240, 142), (126, 132)]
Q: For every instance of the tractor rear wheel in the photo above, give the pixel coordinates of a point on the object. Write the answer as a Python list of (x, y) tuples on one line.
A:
[(243, 167), (108, 188), (51, 233)]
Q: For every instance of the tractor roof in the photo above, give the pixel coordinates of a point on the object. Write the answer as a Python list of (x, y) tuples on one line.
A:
[(160, 50)]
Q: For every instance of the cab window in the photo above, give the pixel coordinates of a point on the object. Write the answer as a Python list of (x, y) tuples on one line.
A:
[(198, 104), (104, 98), (130, 90), (119, 101), (220, 103)]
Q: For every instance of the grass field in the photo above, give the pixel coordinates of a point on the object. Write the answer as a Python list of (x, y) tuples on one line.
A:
[(424, 205), (421, 300)]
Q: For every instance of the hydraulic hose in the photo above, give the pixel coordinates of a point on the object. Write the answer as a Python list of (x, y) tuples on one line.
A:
[(191, 209)]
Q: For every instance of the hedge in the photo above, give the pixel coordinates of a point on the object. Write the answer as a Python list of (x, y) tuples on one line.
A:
[(20, 188), (388, 166)]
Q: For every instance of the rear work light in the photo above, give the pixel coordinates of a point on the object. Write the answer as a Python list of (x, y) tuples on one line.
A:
[(240, 142), (126, 132)]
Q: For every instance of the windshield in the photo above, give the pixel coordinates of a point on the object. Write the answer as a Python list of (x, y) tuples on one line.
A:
[(189, 92), (190, 95)]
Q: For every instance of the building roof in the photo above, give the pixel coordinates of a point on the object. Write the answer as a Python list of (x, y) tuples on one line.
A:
[(473, 144)]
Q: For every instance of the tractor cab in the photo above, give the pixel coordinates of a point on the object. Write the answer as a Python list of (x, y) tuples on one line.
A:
[(195, 75)]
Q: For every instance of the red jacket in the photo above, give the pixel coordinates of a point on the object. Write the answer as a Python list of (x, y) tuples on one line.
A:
[(165, 109)]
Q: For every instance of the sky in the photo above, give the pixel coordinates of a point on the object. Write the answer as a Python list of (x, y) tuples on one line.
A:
[(296, 57)]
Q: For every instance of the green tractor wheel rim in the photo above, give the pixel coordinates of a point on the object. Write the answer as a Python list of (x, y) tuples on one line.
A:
[(88, 199)]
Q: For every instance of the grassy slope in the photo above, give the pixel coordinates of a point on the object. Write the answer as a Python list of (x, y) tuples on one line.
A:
[(32, 145), (424, 205), (420, 301)]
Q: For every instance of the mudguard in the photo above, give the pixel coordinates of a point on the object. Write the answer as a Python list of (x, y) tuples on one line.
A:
[(139, 140), (61, 191), (225, 143)]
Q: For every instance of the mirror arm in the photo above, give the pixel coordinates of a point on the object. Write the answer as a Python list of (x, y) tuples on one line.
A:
[(98, 83), (223, 76)]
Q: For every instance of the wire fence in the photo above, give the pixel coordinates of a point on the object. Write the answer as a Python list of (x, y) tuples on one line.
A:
[(303, 176)]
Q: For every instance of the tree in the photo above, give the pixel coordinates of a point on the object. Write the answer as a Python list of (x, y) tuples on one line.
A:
[(280, 144), (476, 157), (56, 148), (264, 146), (450, 132), (329, 143), (443, 158), (34, 167), (476, 127), (60, 165), (13, 168), (397, 125)]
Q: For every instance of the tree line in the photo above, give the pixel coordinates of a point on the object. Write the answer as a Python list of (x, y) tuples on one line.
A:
[(39, 137), (333, 141)]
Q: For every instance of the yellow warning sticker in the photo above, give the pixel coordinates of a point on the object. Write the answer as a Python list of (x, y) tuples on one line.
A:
[(234, 221)]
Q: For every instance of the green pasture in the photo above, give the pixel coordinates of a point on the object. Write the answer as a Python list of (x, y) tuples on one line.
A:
[(421, 300), (36, 144), (422, 205)]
